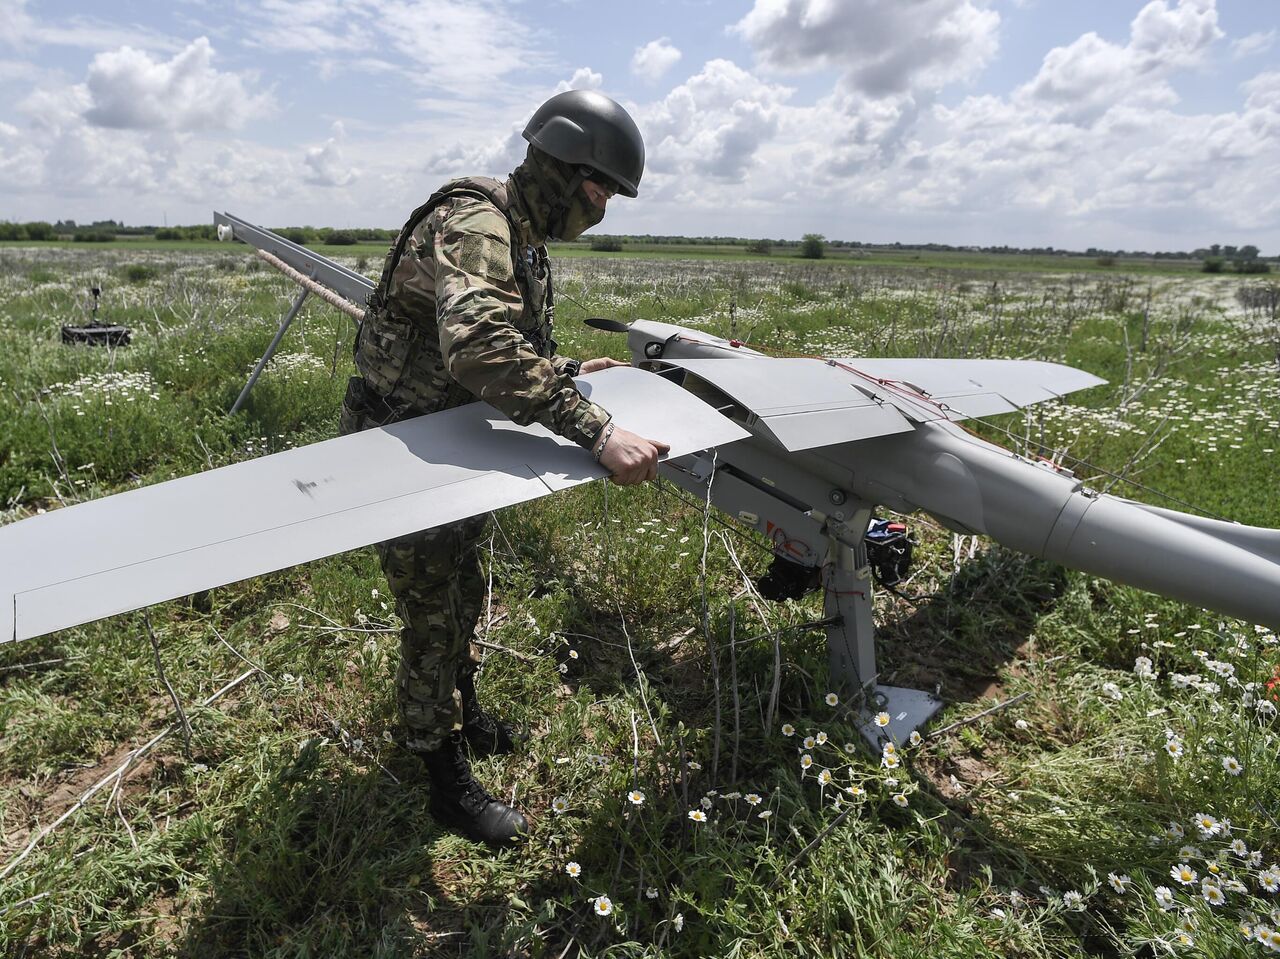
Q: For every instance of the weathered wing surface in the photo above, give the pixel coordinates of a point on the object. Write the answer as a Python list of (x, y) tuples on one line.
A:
[(808, 403), (122, 552), (981, 387)]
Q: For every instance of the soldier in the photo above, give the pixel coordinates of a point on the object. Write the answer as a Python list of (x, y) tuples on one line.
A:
[(463, 311)]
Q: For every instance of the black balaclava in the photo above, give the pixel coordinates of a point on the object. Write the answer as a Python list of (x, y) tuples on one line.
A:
[(552, 193)]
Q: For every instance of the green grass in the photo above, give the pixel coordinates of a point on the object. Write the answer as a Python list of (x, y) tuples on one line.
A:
[(295, 827)]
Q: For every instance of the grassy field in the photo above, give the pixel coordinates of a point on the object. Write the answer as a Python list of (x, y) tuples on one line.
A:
[(859, 258), (1124, 807)]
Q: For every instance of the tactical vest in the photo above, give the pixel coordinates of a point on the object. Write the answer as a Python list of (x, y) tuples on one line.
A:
[(399, 356)]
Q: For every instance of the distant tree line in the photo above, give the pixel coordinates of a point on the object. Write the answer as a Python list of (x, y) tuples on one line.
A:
[(1216, 258)]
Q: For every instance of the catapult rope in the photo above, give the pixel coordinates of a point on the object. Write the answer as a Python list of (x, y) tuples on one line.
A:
[(311, 286)]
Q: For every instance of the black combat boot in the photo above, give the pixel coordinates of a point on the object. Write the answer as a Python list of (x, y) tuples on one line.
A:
[(485, 735), (461, 803)]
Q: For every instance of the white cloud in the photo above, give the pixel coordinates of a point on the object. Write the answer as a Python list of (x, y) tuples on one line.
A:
[(325, 164), (712, 124), (584, 78), (1082, 80), (654, 59), (880, 48), (1253, 44), (127, 89), (24, 32)]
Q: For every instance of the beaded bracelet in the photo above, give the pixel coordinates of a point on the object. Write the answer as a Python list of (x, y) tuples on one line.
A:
[(599, 450)]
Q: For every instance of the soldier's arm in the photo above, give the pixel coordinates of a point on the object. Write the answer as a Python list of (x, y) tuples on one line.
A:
[(478, 303)]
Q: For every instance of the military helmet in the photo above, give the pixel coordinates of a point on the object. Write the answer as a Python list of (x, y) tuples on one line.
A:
[(587, 129)]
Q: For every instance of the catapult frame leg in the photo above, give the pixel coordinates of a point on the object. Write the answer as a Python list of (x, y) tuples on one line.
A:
[(271, 350), (851, 650)]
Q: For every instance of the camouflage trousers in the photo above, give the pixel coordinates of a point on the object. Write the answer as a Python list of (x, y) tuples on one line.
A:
[(439, 589)]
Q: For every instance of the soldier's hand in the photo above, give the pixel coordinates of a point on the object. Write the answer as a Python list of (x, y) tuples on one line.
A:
[(631, 459), (600, 363)]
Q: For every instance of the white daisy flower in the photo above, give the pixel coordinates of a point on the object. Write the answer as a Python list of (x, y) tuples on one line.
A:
[(825, 777), (651, 892), (821, 738), (697, 815), (1208, 826), (1239, 848), (1073, 900), (850, 748), (1232, 765), (559, 804), (914, 738), (764, 814), (636, 797), (753, 799), (1212, 894), (678, 922), (1164, 897), (1183, 874), (603, 905), (806, 761), (809, 742), (901, 800), (832, 699), (1120, 883), (788, 729), (882, 719), (573, 870)]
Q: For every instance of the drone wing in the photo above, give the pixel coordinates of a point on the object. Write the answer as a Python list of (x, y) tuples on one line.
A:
[(130, 550), (807, 403)]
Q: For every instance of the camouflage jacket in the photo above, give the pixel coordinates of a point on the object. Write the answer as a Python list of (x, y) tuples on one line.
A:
[(463, 319)]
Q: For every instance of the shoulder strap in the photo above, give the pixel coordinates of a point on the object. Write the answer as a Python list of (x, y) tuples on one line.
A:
[(480, 187)]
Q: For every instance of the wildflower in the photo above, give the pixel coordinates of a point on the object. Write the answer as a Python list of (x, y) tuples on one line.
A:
[(678, 922), (901, 800), (850, 748), (694, 765), (857, 792), (1112, 691), (705, 801), (832, 699), (1164, 897), (1239, 848), (1120, 883), (1232, 765), (1022, 725), (1073, 900), (1208, 825), (809, 742), (697, 815), (559, 804), (788, 729), (825, 777), (604, 905), (1175, 831), (573, 654), (882, 719), (651, 892), (764, 814), (753, 799), (1183, 873), (1212, 894), (636, 797), (821, 738), (1173, 747), (1270, 879), (890, 761), (564, 667), (1143, 668), (573, 870), (1184, 939), (806, 761), (733, 795), (914, 738)]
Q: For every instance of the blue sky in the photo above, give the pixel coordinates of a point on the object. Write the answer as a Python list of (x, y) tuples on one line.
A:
[(1029, 122)]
